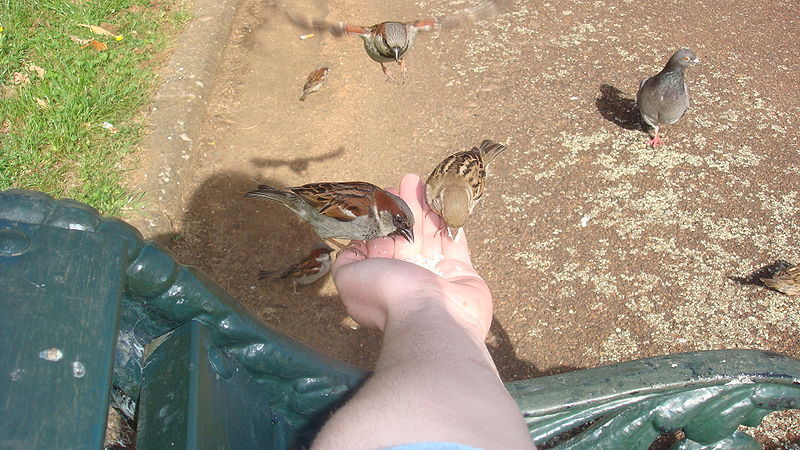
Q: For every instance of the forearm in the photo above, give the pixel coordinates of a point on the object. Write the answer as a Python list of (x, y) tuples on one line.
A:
[(434, 381)]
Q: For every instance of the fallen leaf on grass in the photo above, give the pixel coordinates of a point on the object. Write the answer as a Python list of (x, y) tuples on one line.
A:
[(5, 126), (8, 92), (97, 30), (79, 41), (20, 78), (97, 45), (101, 31), (42, 103), (39, 71)]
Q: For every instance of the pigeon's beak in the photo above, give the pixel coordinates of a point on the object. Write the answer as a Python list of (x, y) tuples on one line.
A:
[(396, 51), (696, 60), (407, 233)]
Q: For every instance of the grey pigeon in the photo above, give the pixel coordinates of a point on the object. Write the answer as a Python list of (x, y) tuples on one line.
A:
[(662, 99)]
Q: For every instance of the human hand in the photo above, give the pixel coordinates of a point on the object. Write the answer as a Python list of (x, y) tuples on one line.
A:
[(381, 283)]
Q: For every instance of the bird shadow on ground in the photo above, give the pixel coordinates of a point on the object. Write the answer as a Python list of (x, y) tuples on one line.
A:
[(616, 108), (296, 165), (232, 238), (767, 271)]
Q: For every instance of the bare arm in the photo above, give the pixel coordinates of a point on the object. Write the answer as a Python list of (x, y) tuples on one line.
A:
[(434, 380)]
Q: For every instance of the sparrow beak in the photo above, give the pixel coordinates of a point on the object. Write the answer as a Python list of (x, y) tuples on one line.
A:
[(453, 233), (407, 233), (396, 51)]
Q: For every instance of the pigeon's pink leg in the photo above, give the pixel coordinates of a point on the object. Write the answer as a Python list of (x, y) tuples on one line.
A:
[(656, 140)]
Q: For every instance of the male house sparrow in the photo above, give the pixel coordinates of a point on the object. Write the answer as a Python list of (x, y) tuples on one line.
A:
[(390, 41), (664, 98), (310, 269), (456, 185), (350, 210), (314, 81), (786, 281)]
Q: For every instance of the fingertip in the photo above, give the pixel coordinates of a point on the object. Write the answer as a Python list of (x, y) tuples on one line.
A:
[(381, 248), (411, 178), (411, 187)]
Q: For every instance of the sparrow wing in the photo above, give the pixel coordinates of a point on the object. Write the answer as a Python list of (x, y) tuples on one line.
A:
[(467, 165), (336, 29), (481, 11), (308, 266), (341, 201), (786, 281), (264, 274), (489, 150)]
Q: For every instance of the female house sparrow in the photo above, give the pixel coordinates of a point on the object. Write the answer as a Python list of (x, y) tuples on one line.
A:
[(786, 281), (350, 210), (390, 41), (314, 81), (664, 98), (456, 185), (310, 269)]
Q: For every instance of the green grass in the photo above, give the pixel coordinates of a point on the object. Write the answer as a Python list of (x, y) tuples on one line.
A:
[(63, 148)]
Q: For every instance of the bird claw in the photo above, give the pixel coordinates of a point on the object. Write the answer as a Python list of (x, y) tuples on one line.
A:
[(389, 75), (655, 141), (355, 250), (349, 246)]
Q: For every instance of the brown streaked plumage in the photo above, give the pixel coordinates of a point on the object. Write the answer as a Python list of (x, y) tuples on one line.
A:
[(353, 210), (315, 81), (308, 270), (786, 281), (390, 41), (457, 184)]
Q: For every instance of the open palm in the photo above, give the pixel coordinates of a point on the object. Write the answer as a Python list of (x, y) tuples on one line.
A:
[(389, 280)]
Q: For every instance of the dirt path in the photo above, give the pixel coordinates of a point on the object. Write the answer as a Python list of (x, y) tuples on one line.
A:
[(597, 248)]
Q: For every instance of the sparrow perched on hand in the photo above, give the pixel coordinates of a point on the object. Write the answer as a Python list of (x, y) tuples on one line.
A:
[(350, 210), (456, 185), (786, 281), (390, 41), (310, 269), (664, 98), (314, 81)]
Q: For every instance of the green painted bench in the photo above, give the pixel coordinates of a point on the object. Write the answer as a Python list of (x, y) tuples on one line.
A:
[(92, 312)]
